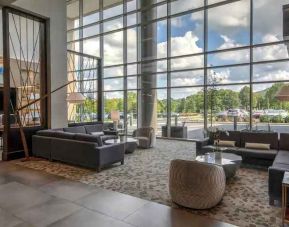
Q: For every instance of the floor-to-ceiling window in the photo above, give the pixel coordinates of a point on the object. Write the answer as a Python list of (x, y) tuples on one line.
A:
[(201, 63)]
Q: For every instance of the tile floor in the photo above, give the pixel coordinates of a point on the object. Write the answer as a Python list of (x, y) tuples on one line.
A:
[(30, 198)]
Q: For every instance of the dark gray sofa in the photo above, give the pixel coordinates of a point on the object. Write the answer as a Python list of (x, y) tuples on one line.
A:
[(250, 156), (279, 167), (74, 145), (277, 157)]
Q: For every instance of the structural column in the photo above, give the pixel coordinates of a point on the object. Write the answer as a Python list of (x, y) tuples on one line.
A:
[(148, 96)]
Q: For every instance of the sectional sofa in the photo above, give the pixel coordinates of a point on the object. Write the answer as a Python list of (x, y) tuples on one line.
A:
[(276, 158), (79, 145)]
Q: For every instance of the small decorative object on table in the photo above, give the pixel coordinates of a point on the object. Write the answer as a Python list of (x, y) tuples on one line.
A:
[(215, 134), (285, 209)]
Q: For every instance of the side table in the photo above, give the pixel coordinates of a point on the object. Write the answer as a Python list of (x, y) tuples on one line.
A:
[(285, 208)]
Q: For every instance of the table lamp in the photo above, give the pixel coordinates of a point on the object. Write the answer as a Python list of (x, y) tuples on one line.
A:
[(115, 117)]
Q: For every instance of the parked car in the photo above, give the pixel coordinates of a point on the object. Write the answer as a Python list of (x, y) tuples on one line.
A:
[(274, 113), (222, 114), (240, 113), (258, 113)]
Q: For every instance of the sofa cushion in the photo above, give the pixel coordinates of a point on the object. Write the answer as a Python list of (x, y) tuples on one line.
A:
[(259, 146), (78, 129), (228, 135), (64, 135), (225, 143), (88, 138), (260, 137), (93, 128), (257, 153)]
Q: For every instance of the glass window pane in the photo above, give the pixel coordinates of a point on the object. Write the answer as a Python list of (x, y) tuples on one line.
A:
[(113, 101), (91, 47), (91, 31), (271, 71), (154, 13), (113, 24), (271, 52), (187, 108), (72, 35), (90, 11), (153, 67), (111, 11), (269, 113), (230, 29), (113, 84), (132, 69), (131, 111), (113, 48), (113, 71), (131, 5), (187, 34), (72, 10), (132, 45), (187, 78), (180, 6), (132, 82), (73, 46), (187, 62), (131, 19), (225, 103), (229, 75), (229, 57), (268, 20)]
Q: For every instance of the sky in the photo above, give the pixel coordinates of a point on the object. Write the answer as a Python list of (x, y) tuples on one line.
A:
[(228, 27)]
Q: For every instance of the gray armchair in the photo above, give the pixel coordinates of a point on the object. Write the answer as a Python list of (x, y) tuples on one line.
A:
[(146, 137), (195, 184)]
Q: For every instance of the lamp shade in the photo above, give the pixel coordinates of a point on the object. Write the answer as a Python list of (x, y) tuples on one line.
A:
[(75, 98), (114, 115), (283, 93)]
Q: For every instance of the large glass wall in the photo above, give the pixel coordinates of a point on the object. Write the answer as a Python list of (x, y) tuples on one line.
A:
[(208, 63)]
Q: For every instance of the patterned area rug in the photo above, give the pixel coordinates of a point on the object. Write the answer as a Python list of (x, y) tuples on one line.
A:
[(145, 175)]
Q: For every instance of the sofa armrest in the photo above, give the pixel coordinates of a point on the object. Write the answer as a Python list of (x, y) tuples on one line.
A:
[(200, 144), (275, 182), (111, 153)]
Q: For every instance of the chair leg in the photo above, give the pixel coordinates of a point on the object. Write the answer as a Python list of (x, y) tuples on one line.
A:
[(122, 162)]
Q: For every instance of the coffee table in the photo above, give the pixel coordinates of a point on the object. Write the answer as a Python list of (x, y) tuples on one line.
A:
[(130, 143), (230, 162)]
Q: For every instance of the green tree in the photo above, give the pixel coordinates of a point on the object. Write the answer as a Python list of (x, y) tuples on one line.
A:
[(244, 97)]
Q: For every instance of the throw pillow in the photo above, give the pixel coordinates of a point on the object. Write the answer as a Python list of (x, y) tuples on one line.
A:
[(225, 143), (97, 133), (261, 146)]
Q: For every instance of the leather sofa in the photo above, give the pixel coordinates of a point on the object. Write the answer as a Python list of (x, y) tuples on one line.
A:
[(76, 145)]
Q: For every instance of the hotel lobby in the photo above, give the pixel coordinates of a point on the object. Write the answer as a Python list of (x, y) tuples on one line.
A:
[(144, 113)]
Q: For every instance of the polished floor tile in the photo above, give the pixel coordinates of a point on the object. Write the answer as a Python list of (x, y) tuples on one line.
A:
[(46, 213), (16, 197), (111, 203), (31, 177), (157, 215), (69, 190), (87, 218), (8, 220)]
